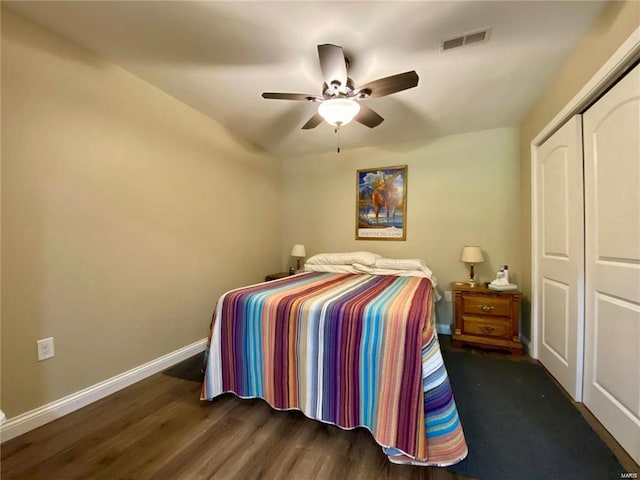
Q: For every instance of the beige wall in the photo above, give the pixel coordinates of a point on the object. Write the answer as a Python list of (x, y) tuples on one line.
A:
[(617, 21), (462, 189), (124, 215)]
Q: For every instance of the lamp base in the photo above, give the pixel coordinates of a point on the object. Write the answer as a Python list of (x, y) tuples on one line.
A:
[(472, 283), (472, 276)]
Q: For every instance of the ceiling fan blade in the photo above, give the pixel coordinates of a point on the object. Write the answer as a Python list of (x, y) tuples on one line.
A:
[(313, 122), (368, 117), (332, 64), (388, 85), (305, 97)]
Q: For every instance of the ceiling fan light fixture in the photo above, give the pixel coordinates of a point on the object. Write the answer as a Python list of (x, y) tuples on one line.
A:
[(338, 111)]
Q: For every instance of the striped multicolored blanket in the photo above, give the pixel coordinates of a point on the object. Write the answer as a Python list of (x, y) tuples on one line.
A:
[(346, 349)]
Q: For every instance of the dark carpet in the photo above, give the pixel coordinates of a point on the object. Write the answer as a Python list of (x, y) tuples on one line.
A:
[(189, 369), (520, 425)]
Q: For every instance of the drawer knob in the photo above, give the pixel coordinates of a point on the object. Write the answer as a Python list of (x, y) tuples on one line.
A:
[(485, 329), (486, 308)]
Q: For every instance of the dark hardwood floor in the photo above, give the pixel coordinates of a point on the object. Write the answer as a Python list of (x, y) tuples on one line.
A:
[(159, 429)]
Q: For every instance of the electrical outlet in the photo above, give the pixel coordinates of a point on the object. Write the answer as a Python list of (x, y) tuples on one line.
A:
[(447, 296), (45, 348)]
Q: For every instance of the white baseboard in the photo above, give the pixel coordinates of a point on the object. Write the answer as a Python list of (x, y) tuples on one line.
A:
[(47, 413), (443, 329), (526, 344)]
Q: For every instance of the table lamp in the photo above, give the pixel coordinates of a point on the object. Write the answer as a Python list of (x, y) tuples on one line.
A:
[(472, 254), (298, 252)]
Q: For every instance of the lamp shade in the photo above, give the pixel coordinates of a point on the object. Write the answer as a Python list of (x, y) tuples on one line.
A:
[(298, 251), (472, 254), (338, 111)]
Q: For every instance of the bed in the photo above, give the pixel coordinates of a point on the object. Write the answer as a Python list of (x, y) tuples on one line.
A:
[(346, 346)]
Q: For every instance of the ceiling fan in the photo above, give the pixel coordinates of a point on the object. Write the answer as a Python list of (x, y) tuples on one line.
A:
[(339, 101)]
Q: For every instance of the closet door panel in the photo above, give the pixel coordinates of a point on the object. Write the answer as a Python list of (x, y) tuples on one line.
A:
[(555, 304), (615, 361), (560, 255), (612, 241)]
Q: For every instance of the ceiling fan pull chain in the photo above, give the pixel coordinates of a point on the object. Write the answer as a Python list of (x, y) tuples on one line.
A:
[(337, 131)]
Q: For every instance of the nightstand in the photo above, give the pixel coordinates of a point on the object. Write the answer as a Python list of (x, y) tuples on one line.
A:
[(275, 276), (486, 318)]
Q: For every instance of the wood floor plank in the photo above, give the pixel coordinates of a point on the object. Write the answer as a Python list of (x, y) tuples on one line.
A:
[(78, 423), (74, 452)]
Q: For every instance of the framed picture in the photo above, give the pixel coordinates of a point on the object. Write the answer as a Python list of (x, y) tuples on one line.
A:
[(381, 203)]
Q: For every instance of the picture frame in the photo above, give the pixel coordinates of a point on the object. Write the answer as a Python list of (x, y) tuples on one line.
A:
[(381, 203)]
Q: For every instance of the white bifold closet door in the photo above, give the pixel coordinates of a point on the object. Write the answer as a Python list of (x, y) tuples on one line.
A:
[(611, 133), (560, 256)]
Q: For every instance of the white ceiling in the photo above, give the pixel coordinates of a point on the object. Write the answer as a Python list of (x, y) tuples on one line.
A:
[(219, 57)]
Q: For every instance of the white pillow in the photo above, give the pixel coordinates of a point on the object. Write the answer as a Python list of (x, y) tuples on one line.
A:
[(331, 268), (397, 272), (401, 263), (346, 258)]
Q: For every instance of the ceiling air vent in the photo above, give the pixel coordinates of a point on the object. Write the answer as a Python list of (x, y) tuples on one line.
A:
[(470, 38)]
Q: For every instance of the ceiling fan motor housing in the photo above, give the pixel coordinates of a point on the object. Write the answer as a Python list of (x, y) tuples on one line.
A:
[(337, 89)]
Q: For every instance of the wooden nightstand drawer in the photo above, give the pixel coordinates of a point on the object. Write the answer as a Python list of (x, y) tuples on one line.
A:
[(486, 305), (494, 327)]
